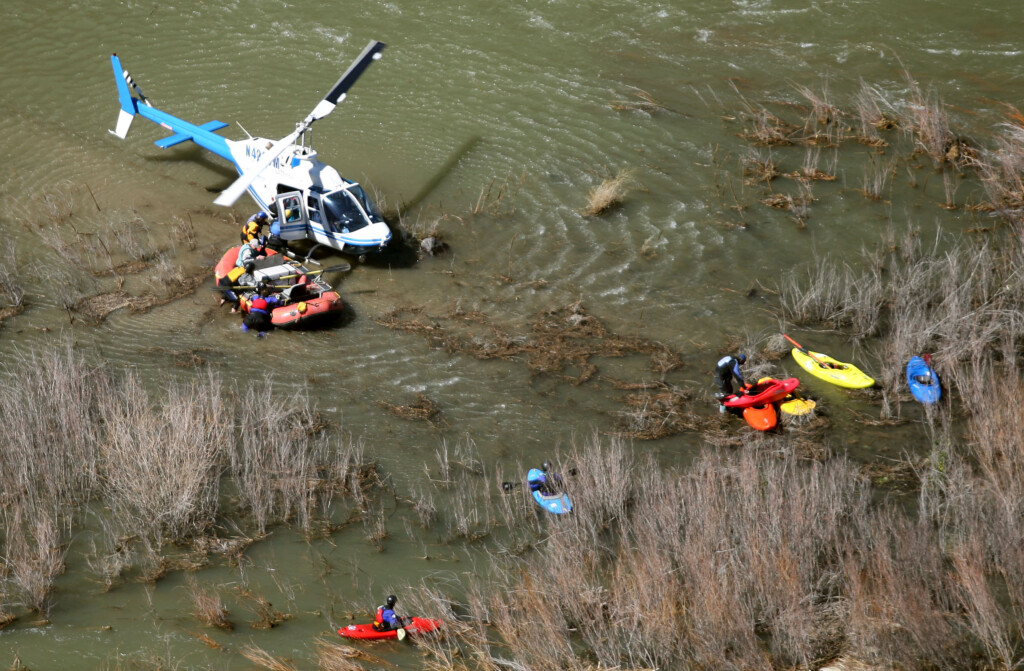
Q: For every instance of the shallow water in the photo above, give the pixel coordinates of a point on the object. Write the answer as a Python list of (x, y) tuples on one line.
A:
[(519, 99)]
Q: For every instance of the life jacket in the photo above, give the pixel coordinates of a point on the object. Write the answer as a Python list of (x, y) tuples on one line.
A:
[(235, 273), (378, 621)]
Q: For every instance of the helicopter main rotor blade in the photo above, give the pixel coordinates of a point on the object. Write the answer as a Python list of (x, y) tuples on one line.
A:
[(323, 108), (337, 93), (229, 195)]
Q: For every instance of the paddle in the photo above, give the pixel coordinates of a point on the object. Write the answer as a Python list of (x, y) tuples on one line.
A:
[(272, 286), (340, 268), (401, 629), (808, 353)]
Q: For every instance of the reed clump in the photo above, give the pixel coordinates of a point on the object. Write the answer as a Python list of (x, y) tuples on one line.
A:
[(261, 657), (609, 194), (423, 409), (208, 606)]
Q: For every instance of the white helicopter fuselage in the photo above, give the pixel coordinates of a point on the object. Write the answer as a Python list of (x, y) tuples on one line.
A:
[(308, 199)]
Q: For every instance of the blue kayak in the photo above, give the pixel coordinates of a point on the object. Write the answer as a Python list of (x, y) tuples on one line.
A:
[(553, 503), (923, 381)]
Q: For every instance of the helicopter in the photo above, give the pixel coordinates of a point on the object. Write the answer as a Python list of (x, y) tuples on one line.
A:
[(305, 198)]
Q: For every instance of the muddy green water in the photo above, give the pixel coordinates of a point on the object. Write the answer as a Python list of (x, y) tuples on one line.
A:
[(469, 99)]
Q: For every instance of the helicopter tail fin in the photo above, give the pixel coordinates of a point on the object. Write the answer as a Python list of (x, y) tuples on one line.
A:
[(124, 96)]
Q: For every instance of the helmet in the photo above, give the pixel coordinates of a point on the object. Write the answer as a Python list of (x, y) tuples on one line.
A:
[(545, 466), (391, 601), (249, 266), (262, 216), (742, 358)]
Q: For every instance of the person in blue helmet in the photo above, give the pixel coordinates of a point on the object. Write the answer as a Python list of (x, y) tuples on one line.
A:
[(727, 368), (253, 227)]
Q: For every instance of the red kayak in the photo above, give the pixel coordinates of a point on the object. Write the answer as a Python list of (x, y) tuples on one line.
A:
[(763, 393), (419, 625)]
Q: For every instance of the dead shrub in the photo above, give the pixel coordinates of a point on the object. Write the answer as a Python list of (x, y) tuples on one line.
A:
[(609, 194), (208, 606)]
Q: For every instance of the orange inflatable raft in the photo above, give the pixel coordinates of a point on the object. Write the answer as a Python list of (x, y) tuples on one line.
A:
[(304, 297)]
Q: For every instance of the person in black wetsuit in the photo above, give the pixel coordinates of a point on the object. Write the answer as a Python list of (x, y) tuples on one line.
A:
[(727, 368)]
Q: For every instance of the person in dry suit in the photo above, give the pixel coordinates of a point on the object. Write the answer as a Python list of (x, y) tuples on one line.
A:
[(258, 318), (545, 482), (253, 227), (236, 277), (387, 619), (727, 368)]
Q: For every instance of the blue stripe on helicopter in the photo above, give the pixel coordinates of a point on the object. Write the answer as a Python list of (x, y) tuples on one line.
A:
[(178, 138), (201, 136), (351, 242)]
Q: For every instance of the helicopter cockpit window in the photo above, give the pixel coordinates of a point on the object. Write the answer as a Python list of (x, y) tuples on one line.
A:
[(313, 207), (343, 214), (367, 204)]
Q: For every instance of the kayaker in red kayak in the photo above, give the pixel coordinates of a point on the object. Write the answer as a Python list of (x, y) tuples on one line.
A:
[(386, 618)]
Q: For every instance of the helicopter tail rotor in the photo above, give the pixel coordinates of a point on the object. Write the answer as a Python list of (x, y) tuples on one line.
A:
[(333, 98)]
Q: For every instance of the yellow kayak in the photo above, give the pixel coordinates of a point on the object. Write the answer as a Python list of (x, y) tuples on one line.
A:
[(834, 371), (797, 406)]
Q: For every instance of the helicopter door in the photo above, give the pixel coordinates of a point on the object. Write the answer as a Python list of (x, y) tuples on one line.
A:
[(291, 216)]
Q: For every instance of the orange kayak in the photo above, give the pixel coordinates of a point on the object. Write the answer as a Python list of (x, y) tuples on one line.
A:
[(761, 417)]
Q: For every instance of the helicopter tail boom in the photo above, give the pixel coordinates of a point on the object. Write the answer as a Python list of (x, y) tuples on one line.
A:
[(183, 131)]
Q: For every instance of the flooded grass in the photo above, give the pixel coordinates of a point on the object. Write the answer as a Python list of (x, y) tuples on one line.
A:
[(746, 559), (765, 552)]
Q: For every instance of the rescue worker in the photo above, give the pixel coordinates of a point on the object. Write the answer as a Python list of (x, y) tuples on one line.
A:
[(236, 277), (251, 251), (727, 368), (258, 318), (253, 227), (386, 618)]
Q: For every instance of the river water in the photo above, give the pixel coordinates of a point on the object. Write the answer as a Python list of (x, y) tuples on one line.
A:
[(489, 123)]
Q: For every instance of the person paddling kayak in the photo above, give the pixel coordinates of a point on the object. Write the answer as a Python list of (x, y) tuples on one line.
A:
[(545, 482), (386, 618)]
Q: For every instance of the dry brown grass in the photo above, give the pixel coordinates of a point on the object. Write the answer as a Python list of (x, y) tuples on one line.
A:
[(207, 606), (423, 409), (333, 656), (261, 657), (609, 194)]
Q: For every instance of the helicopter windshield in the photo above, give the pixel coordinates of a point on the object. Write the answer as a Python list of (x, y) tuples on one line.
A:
[(342, 212), (367, 204)]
